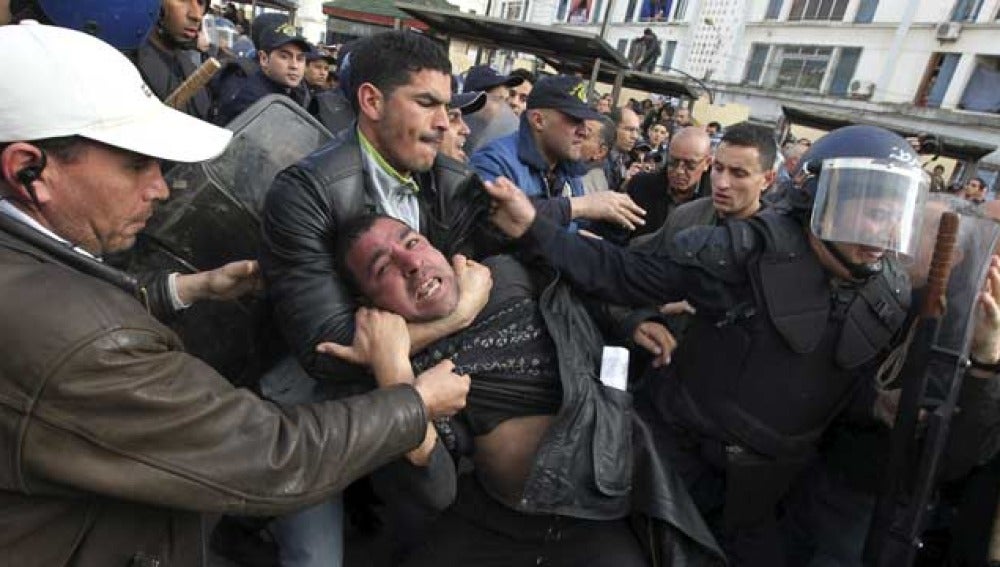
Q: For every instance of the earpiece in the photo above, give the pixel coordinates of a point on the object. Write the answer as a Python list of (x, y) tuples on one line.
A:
[(27, 176)]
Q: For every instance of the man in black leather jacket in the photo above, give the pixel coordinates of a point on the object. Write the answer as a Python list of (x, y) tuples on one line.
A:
[(388, 163)]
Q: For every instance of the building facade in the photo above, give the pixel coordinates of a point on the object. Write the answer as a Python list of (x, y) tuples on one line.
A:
[(918, 65)]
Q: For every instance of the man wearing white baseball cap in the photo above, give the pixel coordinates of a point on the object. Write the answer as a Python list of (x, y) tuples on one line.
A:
[(113, 438)]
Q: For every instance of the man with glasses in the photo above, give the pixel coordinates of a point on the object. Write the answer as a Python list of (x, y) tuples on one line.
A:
[(680, 180)]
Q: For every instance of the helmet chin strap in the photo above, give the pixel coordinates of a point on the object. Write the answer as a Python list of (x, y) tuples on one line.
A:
[(858, 271)]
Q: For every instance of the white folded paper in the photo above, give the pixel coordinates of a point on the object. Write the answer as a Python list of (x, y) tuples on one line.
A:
[(614, 367)]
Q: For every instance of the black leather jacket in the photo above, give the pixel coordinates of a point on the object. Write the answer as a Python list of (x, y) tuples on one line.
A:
[(302, 212)]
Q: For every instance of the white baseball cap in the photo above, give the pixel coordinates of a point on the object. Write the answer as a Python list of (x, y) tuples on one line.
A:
[(59, 82)]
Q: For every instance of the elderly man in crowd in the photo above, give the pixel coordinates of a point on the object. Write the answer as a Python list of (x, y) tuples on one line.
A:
[(678, 182), (121, 438)]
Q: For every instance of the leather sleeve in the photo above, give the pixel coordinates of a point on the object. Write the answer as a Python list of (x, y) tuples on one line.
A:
[(128, 416), (310, 302)]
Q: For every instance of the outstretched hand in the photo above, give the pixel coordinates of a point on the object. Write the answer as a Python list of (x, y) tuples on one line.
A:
[(221, 284)]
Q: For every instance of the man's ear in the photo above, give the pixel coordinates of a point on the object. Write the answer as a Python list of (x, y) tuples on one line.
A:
[(262, 57), (371, 103), (18, 158), (536, 118), (769, 176)]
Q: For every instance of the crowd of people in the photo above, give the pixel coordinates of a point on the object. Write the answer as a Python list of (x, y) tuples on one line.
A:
[(451, 272)]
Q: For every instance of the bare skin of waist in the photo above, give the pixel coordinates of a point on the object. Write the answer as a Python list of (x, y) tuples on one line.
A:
[(504, 456)]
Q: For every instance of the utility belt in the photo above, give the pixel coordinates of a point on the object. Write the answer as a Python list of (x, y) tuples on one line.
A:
[(754, 483)]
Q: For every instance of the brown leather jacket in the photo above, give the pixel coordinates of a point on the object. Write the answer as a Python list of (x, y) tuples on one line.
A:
[(114, 439)]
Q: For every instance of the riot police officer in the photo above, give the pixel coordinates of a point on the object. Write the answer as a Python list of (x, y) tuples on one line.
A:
[(795, 306), (170, 54)]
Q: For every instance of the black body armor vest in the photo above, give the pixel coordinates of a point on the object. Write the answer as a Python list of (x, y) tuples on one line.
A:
[(773, 371)]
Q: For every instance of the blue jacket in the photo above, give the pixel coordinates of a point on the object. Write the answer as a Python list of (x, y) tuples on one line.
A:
[(516, 157)]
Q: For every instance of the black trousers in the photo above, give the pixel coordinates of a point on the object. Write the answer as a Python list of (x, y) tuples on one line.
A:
[(478, 530), (746, 544)]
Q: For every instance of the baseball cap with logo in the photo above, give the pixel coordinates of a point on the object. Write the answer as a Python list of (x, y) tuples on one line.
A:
[(563, 93), (484, 78), (281, 35), (59, 82)]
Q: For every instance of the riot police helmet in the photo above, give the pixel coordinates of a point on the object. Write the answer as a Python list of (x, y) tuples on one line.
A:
[(122, 23), (864, 186)]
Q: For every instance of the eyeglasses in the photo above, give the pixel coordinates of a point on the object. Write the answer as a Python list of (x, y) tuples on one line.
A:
[(686, 164)]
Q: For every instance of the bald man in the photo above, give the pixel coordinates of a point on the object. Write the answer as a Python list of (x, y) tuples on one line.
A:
[(678, 182)]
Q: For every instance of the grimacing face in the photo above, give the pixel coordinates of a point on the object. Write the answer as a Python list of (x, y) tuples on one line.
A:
[(398, 270), (412, 121)]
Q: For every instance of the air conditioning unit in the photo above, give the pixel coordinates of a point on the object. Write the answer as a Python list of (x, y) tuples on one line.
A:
[(948, 31), (861, 89)]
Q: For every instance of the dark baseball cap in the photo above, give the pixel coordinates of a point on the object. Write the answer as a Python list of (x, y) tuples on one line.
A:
[(316, 54), (468, 102), (563, 93), (484, 78), (281, 35)]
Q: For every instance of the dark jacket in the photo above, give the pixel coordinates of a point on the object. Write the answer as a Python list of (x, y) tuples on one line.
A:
[(597, 460), (776, 350), (651, 191), (116, 439), (235, 98), (165, 70), (302, 212)]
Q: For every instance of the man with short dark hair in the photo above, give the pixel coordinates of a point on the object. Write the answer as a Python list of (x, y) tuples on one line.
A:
[(742, 169), (170, 55), (975, 190), (524, 502), (600, 139), (115, 439), (282, 58), (518, 98), (620, 167)]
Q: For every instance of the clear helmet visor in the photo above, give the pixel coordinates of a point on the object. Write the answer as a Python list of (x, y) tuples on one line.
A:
[(869, 202)]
